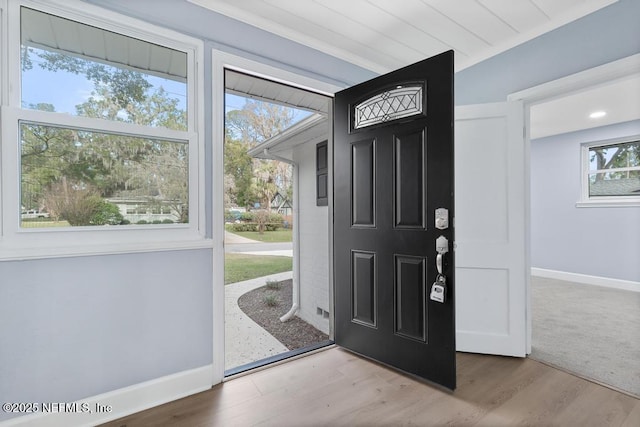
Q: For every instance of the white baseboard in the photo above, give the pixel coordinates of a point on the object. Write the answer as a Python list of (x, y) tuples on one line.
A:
[(124, 401), (607, 282)]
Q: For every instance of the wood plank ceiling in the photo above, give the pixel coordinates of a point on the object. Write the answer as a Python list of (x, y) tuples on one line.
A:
[(383, 35)]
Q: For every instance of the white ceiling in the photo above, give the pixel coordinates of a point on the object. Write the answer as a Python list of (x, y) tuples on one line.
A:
[(383, 35), (620, 100)]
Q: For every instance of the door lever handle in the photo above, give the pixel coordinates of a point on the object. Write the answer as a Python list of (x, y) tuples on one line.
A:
[(442, 247)]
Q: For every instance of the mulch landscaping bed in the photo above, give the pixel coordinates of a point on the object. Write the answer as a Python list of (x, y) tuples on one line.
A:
[(266, 305)]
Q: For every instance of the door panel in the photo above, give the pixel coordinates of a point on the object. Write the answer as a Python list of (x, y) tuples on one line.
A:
[(409, 177), (393, 166), (364, 287), (363, 179), (411, 297), (491, 274)]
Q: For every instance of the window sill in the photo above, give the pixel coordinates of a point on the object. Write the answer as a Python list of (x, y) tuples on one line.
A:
[(608, 203), (20, 253)]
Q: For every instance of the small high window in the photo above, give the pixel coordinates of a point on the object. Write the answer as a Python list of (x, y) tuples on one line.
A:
[(611, 171)]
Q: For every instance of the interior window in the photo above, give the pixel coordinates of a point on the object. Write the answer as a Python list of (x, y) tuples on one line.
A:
[(104, 171), (614, 170)]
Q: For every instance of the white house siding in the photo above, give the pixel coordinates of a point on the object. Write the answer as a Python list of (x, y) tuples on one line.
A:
[(314, 243)]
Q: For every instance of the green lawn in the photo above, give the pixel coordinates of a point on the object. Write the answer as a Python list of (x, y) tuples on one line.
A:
[(239, 267), (43, 223), (268, 236)]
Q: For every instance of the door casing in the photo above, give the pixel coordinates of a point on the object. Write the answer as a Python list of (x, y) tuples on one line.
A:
[(545, 92), (221, 60)]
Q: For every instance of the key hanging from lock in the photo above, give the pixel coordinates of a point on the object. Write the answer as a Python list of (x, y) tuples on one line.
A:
[(439, 289)]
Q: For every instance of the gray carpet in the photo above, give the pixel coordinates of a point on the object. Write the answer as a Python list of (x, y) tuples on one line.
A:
[(591, 331)]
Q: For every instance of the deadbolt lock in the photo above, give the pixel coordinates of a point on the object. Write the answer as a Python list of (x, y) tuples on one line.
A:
[(442, 218)]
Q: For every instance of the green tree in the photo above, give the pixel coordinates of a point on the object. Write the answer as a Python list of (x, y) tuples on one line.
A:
[(125, 86), (264, 184), (615, 156), (255, 180), (238, 167), (258, 121), (42, 151)]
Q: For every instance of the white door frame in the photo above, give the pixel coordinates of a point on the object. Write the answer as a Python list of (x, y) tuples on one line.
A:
[(220, 61), (573, 83)]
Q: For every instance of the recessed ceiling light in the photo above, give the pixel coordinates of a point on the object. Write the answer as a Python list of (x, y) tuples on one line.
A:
[(597, 114)]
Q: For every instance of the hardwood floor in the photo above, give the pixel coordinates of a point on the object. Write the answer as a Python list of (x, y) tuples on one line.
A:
[(337, 388)]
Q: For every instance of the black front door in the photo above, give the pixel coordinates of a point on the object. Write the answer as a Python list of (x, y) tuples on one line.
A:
[(393, 167)]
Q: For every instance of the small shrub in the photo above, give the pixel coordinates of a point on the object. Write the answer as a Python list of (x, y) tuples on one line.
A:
[(271, 300), (167, 221), (72, 202), (270, 226), (125, 222), (247, 216), (273, 285), (156, 221), (252, 226), (244, 226), (275, 218), (106, 213), (142, 221)]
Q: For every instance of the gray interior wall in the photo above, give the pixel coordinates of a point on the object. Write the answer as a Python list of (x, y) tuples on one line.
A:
[(77, 327), (596, 241)]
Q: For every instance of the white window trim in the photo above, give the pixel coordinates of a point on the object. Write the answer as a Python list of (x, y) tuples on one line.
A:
[(602, 201), (20, 243)]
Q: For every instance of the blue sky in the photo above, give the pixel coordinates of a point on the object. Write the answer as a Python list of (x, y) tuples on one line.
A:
[(65, 90)]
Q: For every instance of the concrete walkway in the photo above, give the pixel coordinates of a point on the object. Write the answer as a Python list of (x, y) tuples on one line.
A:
[(233, 239), (239, 244), (245, 340)]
